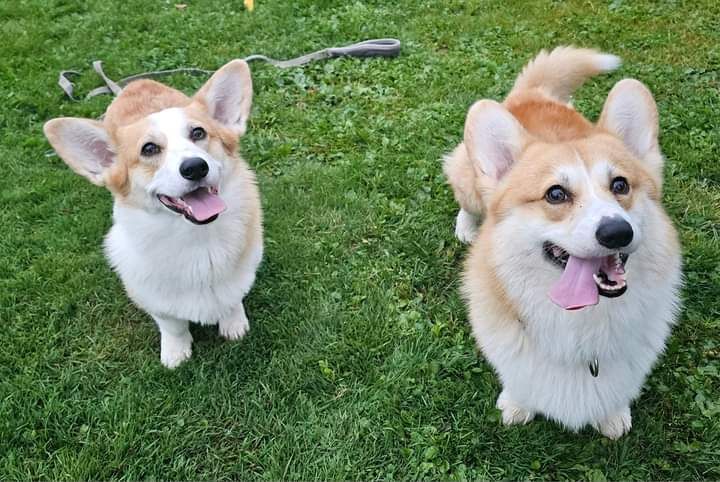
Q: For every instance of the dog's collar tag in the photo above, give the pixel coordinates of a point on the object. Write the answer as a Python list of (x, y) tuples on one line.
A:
[(594, 367)]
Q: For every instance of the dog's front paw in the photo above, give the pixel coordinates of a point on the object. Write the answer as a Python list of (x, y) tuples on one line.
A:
[(175, 349), (512, 413), (466, 226), (234, 327), (615, 426)]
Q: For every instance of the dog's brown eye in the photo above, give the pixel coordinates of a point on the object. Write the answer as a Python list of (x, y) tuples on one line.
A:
[(198, 134), (619, 185), (556, 195), (150, 149)]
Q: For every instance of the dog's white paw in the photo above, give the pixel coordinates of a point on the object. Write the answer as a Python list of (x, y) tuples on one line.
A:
[(512, 413), (615, 426), (466, 226), (175, 349), (234, 327)]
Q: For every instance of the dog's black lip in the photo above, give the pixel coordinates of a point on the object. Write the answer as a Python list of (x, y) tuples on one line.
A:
[(559, 262), (200, 223), (612, 294), (169, 206)]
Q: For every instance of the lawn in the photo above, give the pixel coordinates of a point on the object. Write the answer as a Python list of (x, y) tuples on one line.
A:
[(359, 363)]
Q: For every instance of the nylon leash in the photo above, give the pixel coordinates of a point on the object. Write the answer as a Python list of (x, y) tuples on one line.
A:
[(386, 47)]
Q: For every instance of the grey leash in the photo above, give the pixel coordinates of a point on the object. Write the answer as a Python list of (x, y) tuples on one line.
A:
[(386, 47)]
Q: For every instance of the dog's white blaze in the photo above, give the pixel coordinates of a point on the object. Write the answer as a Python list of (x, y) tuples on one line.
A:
[(175, 127), (594, 203)]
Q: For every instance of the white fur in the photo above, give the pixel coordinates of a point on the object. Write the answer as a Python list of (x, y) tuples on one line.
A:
[(616, 425), (608, 62), (466, 226)]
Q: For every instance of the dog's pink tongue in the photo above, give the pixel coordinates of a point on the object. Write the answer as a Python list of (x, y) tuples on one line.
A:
[(576, 287), (204, 204)]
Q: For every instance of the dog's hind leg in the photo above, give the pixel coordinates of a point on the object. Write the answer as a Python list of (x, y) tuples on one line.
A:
[(175, 341), (236, 325), (512, 412), (466, 226)]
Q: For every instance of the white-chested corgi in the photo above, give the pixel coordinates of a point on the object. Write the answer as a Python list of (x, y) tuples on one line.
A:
[(573, 276), (187, 233)]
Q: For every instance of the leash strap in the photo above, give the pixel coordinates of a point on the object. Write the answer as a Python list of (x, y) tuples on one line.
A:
[(387, 47)]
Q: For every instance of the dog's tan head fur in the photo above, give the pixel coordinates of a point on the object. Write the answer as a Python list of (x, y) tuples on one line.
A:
[(554, 186), (110, 153), (532, 143)]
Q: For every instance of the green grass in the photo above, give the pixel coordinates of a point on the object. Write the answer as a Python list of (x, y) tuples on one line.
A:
[(359, 364)]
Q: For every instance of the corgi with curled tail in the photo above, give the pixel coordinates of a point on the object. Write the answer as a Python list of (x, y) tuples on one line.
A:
[(573, 277), (186, 238)]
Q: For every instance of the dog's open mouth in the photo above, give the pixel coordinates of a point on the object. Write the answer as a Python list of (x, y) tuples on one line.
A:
[(201, 206), (583, 279)]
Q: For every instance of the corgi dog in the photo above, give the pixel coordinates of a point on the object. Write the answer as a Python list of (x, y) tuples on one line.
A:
[(572, 280), (186, 238)]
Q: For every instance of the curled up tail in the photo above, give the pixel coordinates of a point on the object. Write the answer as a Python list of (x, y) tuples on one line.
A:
[(560, 72)]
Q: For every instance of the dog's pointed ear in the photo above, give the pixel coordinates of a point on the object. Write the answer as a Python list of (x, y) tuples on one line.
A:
[(227, 95), (83, 144), (630, 114), (493, 138)]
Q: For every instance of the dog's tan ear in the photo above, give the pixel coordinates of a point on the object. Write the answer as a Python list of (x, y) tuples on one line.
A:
[(493, 138), (630, 113), (83, 144), (227, 95)]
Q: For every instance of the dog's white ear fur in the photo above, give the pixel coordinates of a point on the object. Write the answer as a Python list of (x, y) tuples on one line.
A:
[(630, 113), (83, 144), (227, 95), (493, 138)]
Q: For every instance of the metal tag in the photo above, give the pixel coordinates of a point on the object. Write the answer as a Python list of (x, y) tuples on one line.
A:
[(594, 367)]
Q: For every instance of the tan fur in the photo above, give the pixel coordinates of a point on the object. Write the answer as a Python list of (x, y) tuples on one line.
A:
[(467, 186), (548, 122), (140, 99), (556, 74)]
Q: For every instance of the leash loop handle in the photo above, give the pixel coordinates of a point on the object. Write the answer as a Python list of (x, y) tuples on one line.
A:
[(386, 47)]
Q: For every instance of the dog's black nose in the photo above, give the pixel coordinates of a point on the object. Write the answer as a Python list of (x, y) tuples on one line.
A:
[(614, 232), (194, 168)]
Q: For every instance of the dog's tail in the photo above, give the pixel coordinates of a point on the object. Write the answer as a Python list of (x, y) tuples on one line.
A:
[(560, 72)]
